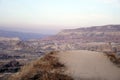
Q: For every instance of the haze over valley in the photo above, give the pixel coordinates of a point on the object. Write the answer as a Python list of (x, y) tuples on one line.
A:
[(59, 40), (14, 50)]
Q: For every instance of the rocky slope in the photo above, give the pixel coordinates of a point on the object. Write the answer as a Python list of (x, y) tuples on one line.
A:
[(90, 38), (93, 34)]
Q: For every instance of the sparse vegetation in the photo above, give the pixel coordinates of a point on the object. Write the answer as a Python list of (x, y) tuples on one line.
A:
[(12, 66), (113, 54), (46, 68)]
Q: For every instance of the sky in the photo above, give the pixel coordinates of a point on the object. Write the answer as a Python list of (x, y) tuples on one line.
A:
[(50, 16)]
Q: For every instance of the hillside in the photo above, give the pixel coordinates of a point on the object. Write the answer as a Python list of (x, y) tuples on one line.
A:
[(69, 65), (91, 38), (94, 38), (47, 67), (105, 28), (107, 33)]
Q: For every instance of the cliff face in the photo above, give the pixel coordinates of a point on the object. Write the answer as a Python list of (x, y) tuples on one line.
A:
[(106, 28), (90, 38), (107, 33)]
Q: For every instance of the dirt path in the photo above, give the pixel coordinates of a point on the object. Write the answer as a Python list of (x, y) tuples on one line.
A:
[(88, 65)]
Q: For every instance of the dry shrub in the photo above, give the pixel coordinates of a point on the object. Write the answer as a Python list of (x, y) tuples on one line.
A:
[(113, 58), (46, 68)]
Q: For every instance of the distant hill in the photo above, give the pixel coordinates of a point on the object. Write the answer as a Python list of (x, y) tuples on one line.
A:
[(106, 33), (21, 35), (104, 28), (89, 38)]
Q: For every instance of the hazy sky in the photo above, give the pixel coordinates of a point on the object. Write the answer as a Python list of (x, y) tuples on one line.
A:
[(52, 15)]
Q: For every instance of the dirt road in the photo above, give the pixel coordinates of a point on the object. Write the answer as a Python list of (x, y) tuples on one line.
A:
[(88, 65)]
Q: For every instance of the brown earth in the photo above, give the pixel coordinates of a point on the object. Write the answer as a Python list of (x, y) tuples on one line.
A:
[(89, 65)]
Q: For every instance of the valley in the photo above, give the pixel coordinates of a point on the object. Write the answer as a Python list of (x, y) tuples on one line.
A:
[(15, 53)]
